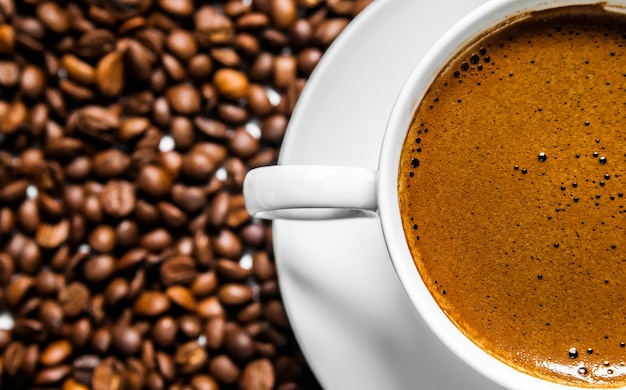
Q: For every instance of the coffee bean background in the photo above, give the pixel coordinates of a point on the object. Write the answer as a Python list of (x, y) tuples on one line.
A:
[(127, 258)]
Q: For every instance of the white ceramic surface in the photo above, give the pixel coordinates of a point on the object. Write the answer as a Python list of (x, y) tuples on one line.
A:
[(350, 314)]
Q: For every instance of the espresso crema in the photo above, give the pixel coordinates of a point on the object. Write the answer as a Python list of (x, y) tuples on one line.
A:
[(512, 193)]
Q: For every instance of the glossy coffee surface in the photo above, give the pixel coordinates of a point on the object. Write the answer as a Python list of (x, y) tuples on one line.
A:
[(512, 183)]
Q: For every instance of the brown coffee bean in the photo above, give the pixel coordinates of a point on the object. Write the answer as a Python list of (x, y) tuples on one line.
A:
[(146, 213), (189, 326), (230, 83), (247, 44), (238, 343), (262, 266), (152, 304), (127, 233), (182, 132), (190, 357), (102, 238), (55, 353), (165, 366), (182, 44), (180, 8), (190, 199), (200, 67), (156, 240), (139, 59), (74, 298), (178, 270), (251, 312), (24, 327), (126, 339), (83, 368), (13, 357), (5, 338), (215, 332), (117, 198), (154, 180), (38, 117), (116, 291), (10, 75), (253, 21), (228, 244), (95, 121), (242, 143), (99, 268), (53, 17), (258, 375), (224, 369), (211, 127), (285, 69), (47, 282), (13, 118), (274, 311), (198, 165), (258, 100), (7, 267), (275, 39), (182, 297), (50, 206), (232, 271), (14, 191), (204, 284), (110, 163), (232, 114), (204, 382), (210, 307), (52, 236), (184, 99), (308, 59), (28, 215), (31, 162), (51, 316), (79, 168), (174, 68), (52, 375), (219, 209), (7, 220), (139, 103), (269, 289), (7, 38), (75, 91), (92, 209), (107, 375), (329, 30), (211, 27), (78, 70), (273, 128), (284, 13), (172, 161), (164, 331), (101, 340), (234, 294), (80, 332), (133, 127), (301, 33), (110, 74), (72, 384)]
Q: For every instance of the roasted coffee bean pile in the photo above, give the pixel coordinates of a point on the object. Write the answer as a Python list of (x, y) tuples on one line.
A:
[(127, 258)]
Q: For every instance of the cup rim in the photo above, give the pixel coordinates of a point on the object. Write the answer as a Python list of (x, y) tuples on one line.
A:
[(485, 17)]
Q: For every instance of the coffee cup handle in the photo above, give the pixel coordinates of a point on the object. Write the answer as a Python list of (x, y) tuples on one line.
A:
[(310, 192)]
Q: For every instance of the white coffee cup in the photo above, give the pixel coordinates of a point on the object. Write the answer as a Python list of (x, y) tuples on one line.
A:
[(315, 192)]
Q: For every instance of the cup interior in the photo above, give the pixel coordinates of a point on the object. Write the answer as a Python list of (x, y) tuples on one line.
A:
[(486, 17)]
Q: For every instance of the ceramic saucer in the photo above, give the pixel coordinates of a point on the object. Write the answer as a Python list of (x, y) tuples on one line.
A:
[(353, 321)]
